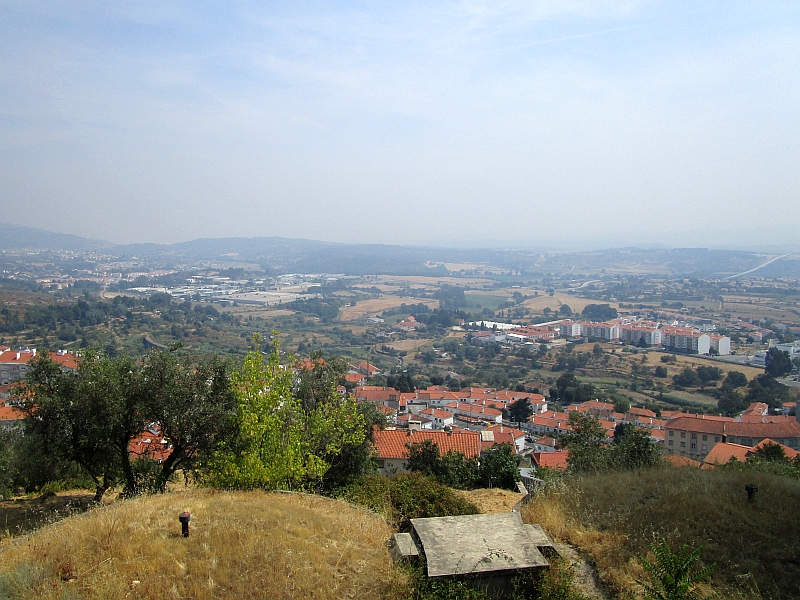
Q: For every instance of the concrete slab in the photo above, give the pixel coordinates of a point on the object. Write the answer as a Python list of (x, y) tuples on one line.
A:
[(543, 541), (402, 546), (477, 544)]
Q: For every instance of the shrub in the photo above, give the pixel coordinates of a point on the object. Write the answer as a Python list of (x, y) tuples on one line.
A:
[(406, 496)]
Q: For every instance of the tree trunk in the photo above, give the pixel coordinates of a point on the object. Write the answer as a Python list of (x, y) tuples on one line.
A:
[(168, 468)]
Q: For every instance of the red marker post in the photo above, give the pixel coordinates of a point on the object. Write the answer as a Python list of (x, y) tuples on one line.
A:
[(184, 518)]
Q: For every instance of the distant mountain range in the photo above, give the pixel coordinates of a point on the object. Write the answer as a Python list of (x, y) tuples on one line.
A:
[(285, 255)]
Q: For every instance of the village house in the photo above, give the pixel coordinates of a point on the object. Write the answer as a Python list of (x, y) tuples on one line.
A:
[(695, 437), (391, 445), (724, 452), (472, 411), (556, 459), (440, 418), (503, 434), (14, 363)]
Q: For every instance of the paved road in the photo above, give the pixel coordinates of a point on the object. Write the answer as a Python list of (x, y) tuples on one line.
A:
[(769, 262)]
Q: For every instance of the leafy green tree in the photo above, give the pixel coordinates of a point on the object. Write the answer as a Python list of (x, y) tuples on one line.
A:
[(500, 467), (633, 448), (278, 444), (192, 402), (89, 417), (571, 391), (731, 402), (660, 371), (769, 453), (520, 410), (767, 389), (735, 379), (452, 468), (356, 459), (707, 374), (675, 576), (599, 312), (777, 363), (588, 452), (621, 404), (686, 378), (402, 383)]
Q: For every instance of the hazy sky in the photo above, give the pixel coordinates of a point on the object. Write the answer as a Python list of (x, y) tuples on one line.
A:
[(401, 122)]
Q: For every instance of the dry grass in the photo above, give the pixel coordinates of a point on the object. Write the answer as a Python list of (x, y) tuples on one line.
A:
[(375, 306), (542, 301), (491, 501), (614, 517), (242, 545), (409, 344), (431, 282)]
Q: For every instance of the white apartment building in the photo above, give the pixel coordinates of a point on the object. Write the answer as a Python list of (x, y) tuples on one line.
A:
[(686, 339)]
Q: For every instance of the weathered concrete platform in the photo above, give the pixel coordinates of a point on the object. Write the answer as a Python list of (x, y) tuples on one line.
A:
[(403, 546), (479, 544)]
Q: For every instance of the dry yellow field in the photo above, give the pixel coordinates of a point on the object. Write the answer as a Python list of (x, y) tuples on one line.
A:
[(409, 345), (375, 306), (538, 304), (491, 501), (241, 545), (436, 281)]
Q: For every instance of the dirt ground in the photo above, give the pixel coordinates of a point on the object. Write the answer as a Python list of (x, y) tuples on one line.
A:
[(375, 306), (492, 501), (20, 515)]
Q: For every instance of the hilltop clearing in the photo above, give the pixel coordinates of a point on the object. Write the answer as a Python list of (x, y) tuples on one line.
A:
[(614, 517), (242, 545)]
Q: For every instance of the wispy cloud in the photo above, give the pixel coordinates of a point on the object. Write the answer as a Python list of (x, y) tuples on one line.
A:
[(158, 120)]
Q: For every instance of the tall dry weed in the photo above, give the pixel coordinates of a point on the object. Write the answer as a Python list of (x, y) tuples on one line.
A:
[(613, 517)]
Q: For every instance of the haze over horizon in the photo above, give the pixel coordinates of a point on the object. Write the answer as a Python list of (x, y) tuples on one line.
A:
[(533, 123)]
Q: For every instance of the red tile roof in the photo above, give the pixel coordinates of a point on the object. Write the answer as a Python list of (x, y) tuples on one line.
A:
[(436, 413), (393, 443), (790, 453), (517, 433), (150, 444), (722, 453), (10, 413), (473, 409), (551, 460), (498, 437)]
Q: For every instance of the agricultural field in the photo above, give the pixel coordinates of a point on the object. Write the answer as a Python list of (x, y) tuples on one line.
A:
[(375, 306)]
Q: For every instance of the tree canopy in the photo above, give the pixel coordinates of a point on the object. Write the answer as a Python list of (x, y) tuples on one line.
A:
[(280, 444)]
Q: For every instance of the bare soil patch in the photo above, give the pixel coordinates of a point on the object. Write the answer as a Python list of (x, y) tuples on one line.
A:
[(492, 501), (24, 514)]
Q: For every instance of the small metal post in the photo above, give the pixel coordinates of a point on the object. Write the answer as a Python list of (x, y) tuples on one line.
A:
[(184, 518), (751, 489)]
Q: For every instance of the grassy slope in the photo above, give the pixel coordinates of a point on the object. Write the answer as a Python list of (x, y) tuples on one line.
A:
[(614, 517), (242, 545)]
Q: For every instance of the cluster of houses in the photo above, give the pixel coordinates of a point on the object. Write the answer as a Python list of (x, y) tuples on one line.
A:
[(625, 330), (471, 421)]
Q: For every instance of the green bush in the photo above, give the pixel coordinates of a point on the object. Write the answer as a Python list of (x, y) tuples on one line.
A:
[(406, 496)]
